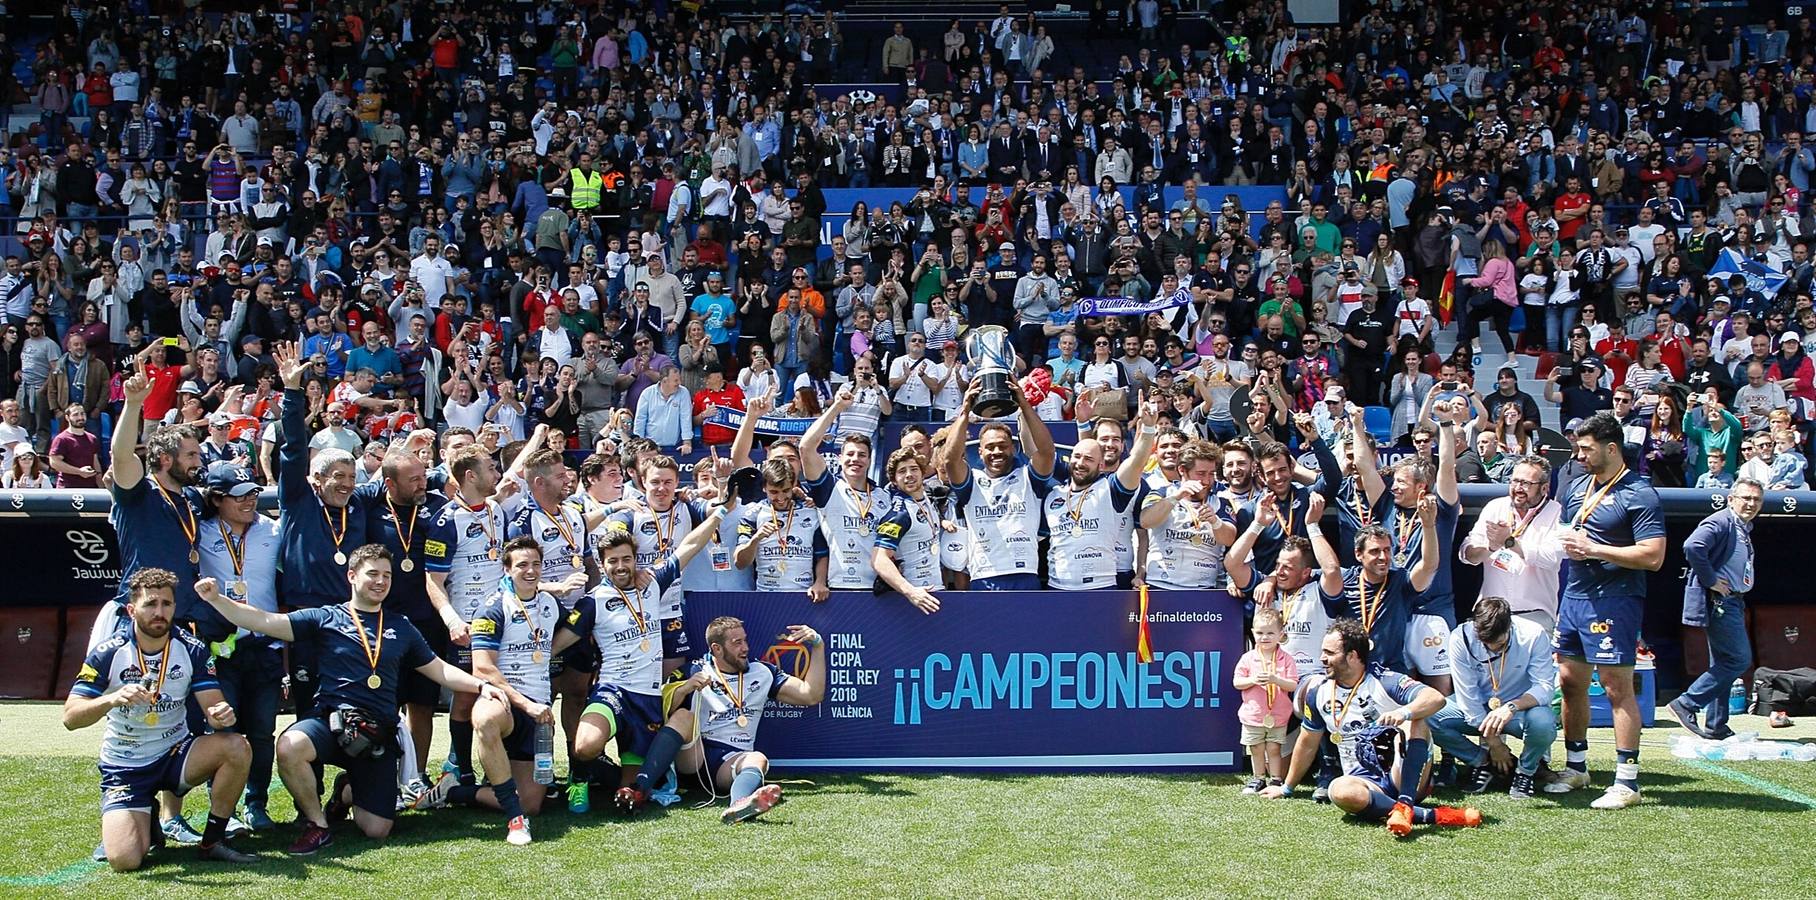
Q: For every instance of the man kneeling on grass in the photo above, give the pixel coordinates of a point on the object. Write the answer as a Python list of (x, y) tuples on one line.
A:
[(141, 681), (1370, 713)]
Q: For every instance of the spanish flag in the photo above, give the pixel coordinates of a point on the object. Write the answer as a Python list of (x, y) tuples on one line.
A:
[(1144, 649), (1447, 297)]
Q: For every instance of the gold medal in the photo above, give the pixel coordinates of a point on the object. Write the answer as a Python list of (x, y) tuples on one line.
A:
[(239, 587), (492, 553), (1336, 738), (536, 656), (1267, 721), (643, 647), (1494, 703), (743, 721), (374, 682), (578, 562), (151, 718), (340, 559), (195, 556), (408, 564)]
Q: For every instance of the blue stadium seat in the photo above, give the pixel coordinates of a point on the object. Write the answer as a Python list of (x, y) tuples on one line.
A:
[(1379, 420)]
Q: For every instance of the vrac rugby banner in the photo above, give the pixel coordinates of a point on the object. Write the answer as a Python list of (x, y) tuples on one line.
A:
[(1000, 681)]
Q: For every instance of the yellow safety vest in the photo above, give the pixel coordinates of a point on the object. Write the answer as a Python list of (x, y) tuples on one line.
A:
[(586, 188)]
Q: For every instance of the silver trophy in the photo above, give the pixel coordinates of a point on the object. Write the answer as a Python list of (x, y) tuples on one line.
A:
[(992, 355)]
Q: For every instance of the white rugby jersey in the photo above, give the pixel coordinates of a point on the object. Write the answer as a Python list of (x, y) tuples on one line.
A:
[(1183, 554), (718, 709), (1327, 708), (522, 633), (912, 532), (1081, 533), (1306, 624), (785, 560), (467, 544), (848, 519), (656, 535), (629, 633), (1004, 518), (562, 534), (138, 735)]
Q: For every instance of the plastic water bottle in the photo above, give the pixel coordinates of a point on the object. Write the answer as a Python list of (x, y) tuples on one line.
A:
[(1595, 684), (1737, 698), (545, 754), (1804, 753)]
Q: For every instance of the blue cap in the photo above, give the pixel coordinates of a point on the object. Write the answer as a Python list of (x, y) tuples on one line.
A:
[(227, 478)]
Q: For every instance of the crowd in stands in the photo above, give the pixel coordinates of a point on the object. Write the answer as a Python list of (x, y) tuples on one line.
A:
[(612, 219)]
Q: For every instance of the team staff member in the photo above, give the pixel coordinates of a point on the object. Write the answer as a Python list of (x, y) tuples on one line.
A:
[(850, 505), (568, 567), (727, 695), (1515, 542), (1434, 613), (1001, 502), (240, 551), (1082, 519), (719, 572), (655, 525), (1291, 501), (1504, 677), (907, 554), (1378, 591), (317, 521), (1615, 535), (399, 512), (626, 702), (1188, 526), (1371, 786), (513, 640), (782, 537), (462, 552), (363, 654), (140, 680), (1720, 554)]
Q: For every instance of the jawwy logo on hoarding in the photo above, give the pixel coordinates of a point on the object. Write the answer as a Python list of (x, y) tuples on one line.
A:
[(790, 657), (89, 547), (1175, 680)]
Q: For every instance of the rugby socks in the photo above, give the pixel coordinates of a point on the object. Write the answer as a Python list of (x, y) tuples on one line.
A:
[(216, 830), (1576, 755), (580, 771), (1379, 805), (1626, 768), (1412, 765), (662, 750), (465, 794), (1423, 815), (506, 795), (745, 783), (460, 750)]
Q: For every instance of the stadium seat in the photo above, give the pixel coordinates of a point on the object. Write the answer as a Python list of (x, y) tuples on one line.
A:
[(1379, 420)]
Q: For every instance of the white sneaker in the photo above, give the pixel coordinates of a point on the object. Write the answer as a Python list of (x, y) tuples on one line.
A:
[(1617, 796), (1566, 781), (518, 834)]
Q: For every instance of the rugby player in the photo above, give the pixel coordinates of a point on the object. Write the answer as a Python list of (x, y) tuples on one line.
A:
[(1615, 534), (1292, 588), (1188, 526), (1349, 704), (907, 544), (1082, 519), (1505, 676), (513, 640), (141, 680), (1292, 501), (655, 524), (240, 550), (1240, 487), (626, 700), (1378, 592), (782, 537), (363, 653), (462, 557), (1000, 503), (1397, 508), (726, 695), (851, 506)]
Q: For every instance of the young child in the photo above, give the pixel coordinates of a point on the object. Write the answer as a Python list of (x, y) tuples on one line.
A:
[(1266, 677), (1718, 478), (1788, 465)]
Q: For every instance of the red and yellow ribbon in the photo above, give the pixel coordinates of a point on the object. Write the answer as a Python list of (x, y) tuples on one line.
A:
[(1144, 648)]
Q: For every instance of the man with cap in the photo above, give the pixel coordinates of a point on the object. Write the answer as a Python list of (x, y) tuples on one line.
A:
[(551, 232), (1583, 398), (240, 550), (219, 444)]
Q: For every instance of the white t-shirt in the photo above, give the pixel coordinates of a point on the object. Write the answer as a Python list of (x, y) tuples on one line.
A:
[(913, 391), (469, 415)]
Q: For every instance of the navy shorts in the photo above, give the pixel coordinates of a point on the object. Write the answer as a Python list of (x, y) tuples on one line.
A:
[(636, 717), (520, 744), (417, 688), (374, 781), (675, 644), (136, 787), (1603, 631), (716, 755), (583, 656)]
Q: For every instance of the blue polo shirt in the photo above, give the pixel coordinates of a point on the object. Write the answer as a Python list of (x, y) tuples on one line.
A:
[(409, 590), (152, 535), (1627, 515), (311, 577), (342, 664)]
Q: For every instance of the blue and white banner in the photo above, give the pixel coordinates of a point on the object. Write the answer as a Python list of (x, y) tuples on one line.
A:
[(1764, 277), (1043, 680), (1129, 306), (776, 426)]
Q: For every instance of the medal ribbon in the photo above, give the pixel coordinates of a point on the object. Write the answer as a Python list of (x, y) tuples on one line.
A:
[(523, 609), (665, 538), (163, 669), (340, 535), (560, 523), (236, 553), (398, 520), (373, 650), (185, 515), (1591, 502), (1521, 526), (737, 698), (635, 609)]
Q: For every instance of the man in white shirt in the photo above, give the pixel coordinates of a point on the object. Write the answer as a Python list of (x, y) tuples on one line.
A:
[(1515, 542), (432, 272), (715, 196), (912, 382)]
